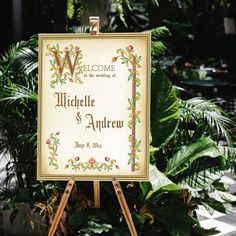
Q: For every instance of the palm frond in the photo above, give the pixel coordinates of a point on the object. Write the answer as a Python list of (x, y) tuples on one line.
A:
[(155, 2), (21, 56), (18, 92), (159, 32), (8, 56), (79, 29), (201, 110), (26, 60)]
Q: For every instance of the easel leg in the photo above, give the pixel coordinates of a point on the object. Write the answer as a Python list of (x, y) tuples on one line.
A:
[(94, 28), (61, 206), (96, 191), (124, 207)]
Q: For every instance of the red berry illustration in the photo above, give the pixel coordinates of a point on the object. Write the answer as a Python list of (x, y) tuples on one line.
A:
[(130, 48), (77, 48), (114, 59), (77, 158), (58, 132), (48, 141), (107, 159), (67, 166), (117, 167)]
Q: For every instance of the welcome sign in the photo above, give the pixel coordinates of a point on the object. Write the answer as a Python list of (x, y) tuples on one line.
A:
[(94, 96)]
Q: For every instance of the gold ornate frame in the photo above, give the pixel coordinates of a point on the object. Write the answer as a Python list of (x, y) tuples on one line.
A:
[(115, 36)]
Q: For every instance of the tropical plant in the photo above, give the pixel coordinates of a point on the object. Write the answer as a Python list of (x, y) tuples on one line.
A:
[(47, 201), (187, 155), (191, 22), (128, 16), (18, 102), (75, 9), (186, 163)]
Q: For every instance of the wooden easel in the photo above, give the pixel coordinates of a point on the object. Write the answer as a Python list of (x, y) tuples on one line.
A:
[(119, 194), (94, 30)]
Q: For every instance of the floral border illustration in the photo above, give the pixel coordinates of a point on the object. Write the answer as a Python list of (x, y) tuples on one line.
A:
[(60, 66), (92, 164), (53, 143), (132, 61)]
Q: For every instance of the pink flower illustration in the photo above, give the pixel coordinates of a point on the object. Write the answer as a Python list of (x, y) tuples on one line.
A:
[(92, 164), (48, 141), (130, 48), (91, 161)]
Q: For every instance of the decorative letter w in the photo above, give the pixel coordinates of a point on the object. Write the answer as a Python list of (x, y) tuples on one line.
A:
[(65, 65), (67, 60)]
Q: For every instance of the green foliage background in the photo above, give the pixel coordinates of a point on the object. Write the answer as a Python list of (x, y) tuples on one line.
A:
[(186, 163)]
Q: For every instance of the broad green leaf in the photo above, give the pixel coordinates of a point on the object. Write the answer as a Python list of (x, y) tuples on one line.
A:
[(139, 219), (185, 157), (218, 201), (176, 219), (174, 188), (159, 185), (221, 186), (146, 189), (222, 197), (198, 230), (162, 193), (208, 208), (157, 178), (152, 151), (164, 109), (93, 227), (78, 218), (170, 189), (225, 208), (201, 179), (204, 173), (191, 190)]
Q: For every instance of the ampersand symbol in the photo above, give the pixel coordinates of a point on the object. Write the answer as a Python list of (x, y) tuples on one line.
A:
[(78, 118)]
